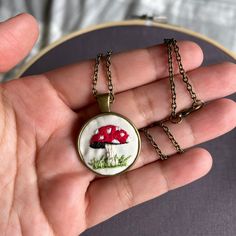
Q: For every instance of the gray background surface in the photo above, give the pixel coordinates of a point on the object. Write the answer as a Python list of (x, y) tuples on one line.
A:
[(205, 208)]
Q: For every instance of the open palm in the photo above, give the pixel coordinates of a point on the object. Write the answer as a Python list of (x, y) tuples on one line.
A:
[(44, 188)]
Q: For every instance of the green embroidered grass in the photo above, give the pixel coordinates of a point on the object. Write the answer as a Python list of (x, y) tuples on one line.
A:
[(103, 162)]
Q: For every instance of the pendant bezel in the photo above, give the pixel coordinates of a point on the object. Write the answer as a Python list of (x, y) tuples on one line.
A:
[(105, 114)]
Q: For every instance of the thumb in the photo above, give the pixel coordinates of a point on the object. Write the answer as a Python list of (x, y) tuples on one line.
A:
[(17, 37)]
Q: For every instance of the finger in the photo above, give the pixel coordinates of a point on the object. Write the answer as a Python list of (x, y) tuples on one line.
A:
[(17, 37), (151, 102), (215, 119), (129, 70), (109, 196)]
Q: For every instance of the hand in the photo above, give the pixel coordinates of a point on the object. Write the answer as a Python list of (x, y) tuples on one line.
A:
[(44, 188)]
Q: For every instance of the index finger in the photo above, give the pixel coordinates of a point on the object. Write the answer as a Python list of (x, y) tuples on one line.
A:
[(129, 69)]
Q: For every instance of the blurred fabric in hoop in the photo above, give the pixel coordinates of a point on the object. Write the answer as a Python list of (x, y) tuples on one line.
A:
[(213, 18)]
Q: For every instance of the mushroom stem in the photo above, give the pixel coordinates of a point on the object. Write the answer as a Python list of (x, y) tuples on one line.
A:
[(109, 152)]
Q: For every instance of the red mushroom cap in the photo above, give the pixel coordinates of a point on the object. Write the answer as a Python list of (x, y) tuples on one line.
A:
[(109, 134)]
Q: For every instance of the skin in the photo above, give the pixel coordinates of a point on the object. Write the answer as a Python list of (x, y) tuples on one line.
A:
[(44, 188)]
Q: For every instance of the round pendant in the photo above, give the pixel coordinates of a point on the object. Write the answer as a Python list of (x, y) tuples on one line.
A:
[(109, 144)]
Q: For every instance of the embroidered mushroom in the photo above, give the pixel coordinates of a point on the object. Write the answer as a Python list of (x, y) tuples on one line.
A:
[(107, 136)]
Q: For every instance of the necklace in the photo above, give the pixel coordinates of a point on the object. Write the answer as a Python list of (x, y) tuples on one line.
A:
[(108, 143)]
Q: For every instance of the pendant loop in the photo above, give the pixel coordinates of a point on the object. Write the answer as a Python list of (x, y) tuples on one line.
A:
[(104, 102)]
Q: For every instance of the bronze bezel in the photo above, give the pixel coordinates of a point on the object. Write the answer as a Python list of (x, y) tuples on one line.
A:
[(104, 114)]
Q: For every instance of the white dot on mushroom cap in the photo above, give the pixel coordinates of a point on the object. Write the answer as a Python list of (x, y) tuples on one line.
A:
[(109, 130), (122, 134), (115, 141), (101, 137)]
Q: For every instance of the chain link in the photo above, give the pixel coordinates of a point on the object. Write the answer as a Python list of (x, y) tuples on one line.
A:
[(109, 75), (95, 74), (172, 45), (174, 117), (171, 138), (171, 79), (183, 73), (153, 143)]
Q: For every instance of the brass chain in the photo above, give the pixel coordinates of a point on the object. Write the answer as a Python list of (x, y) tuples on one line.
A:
[(196, 104), (153, 143), (171, 137), (99, 57), (174, 116), (95, 74), (171, 79)]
